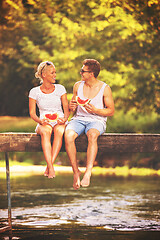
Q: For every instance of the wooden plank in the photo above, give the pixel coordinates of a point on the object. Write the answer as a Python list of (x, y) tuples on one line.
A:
[(20, 142), (130, 143), (4, 229), (108, 142), (117, 143)]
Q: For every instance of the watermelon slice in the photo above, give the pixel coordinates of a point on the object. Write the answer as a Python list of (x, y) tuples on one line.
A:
[(82, 102), (51, 117)]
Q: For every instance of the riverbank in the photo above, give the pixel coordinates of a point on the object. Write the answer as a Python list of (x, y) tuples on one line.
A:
[(24, 169), (86, 233)]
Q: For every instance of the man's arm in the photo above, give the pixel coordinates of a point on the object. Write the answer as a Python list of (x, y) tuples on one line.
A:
[(73, 104), (108, 102)]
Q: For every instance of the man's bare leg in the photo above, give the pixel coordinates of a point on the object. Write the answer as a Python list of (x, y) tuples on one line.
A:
[(70, 137), (92, 149)]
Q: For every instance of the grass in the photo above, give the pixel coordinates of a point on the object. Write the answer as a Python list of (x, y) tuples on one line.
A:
[(16, 124), (29, 169), (125, 171), (15, 163), (120, 123), (131, 122)]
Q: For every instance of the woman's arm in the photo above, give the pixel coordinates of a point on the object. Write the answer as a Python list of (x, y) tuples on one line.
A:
[(32, 112)]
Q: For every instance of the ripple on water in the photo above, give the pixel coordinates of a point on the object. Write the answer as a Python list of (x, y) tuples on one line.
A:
[(110, 205), (110, 213)]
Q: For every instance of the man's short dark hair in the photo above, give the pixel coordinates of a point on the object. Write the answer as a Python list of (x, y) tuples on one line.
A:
[(93, 65)]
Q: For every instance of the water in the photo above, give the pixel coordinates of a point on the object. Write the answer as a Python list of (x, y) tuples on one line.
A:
[(125, 206)]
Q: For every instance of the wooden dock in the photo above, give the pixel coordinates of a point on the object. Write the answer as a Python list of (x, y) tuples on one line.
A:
[(107, 143)]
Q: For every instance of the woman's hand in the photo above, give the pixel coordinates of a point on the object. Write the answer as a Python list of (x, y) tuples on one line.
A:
[(61, 120), (43, 121)]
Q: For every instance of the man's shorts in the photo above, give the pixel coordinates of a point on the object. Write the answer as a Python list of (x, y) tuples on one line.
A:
[(80, 126)]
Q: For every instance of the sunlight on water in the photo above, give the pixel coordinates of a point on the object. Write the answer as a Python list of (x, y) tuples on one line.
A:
[(111, 203)]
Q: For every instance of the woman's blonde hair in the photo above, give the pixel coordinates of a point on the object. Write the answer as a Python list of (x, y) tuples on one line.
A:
[(40, 68)]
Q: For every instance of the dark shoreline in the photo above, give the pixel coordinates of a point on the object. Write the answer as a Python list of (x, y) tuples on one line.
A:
[(87, 233)]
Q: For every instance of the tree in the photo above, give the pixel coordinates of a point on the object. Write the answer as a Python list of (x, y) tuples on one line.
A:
[(122, 35)]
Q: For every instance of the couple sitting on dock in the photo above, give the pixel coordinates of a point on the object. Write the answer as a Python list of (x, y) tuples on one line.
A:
[(89, 118)]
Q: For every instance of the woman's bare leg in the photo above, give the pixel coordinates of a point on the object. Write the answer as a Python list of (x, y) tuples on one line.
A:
[(45, 133), (57, 141)]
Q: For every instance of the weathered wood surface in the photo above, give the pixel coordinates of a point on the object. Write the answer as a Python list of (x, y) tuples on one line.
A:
[(111, 143)]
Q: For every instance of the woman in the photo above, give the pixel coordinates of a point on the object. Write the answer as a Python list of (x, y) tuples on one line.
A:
[(50, 98)]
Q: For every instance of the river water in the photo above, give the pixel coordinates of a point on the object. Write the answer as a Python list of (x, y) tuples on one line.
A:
[(111, 208)]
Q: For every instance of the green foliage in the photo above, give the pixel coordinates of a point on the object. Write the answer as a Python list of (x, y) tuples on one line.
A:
[(130, 122), (121, 122), (122, 35)]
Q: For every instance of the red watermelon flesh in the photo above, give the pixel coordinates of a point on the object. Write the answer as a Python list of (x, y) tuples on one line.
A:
[(51, 117), (82, 102)]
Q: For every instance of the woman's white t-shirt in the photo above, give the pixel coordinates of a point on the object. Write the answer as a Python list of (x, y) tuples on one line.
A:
[(48, 103)]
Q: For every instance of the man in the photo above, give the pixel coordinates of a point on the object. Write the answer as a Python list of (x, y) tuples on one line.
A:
[(90, 118)]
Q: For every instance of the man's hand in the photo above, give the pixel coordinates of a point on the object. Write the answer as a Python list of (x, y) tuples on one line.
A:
[(90, 108), (73, 105)]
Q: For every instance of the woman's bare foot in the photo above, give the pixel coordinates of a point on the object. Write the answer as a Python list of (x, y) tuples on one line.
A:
[(76, 180), (51, 172), (86, 180), (46, 172)]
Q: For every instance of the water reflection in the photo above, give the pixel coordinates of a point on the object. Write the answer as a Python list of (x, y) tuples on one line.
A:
[(124, 204)]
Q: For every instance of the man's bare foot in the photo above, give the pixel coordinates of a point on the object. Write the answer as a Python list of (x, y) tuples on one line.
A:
[(86, 180), (51, 172), (46, 172), (76, 180)]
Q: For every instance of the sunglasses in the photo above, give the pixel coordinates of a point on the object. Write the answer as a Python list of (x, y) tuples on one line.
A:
[(83, 71), (48, 64)]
